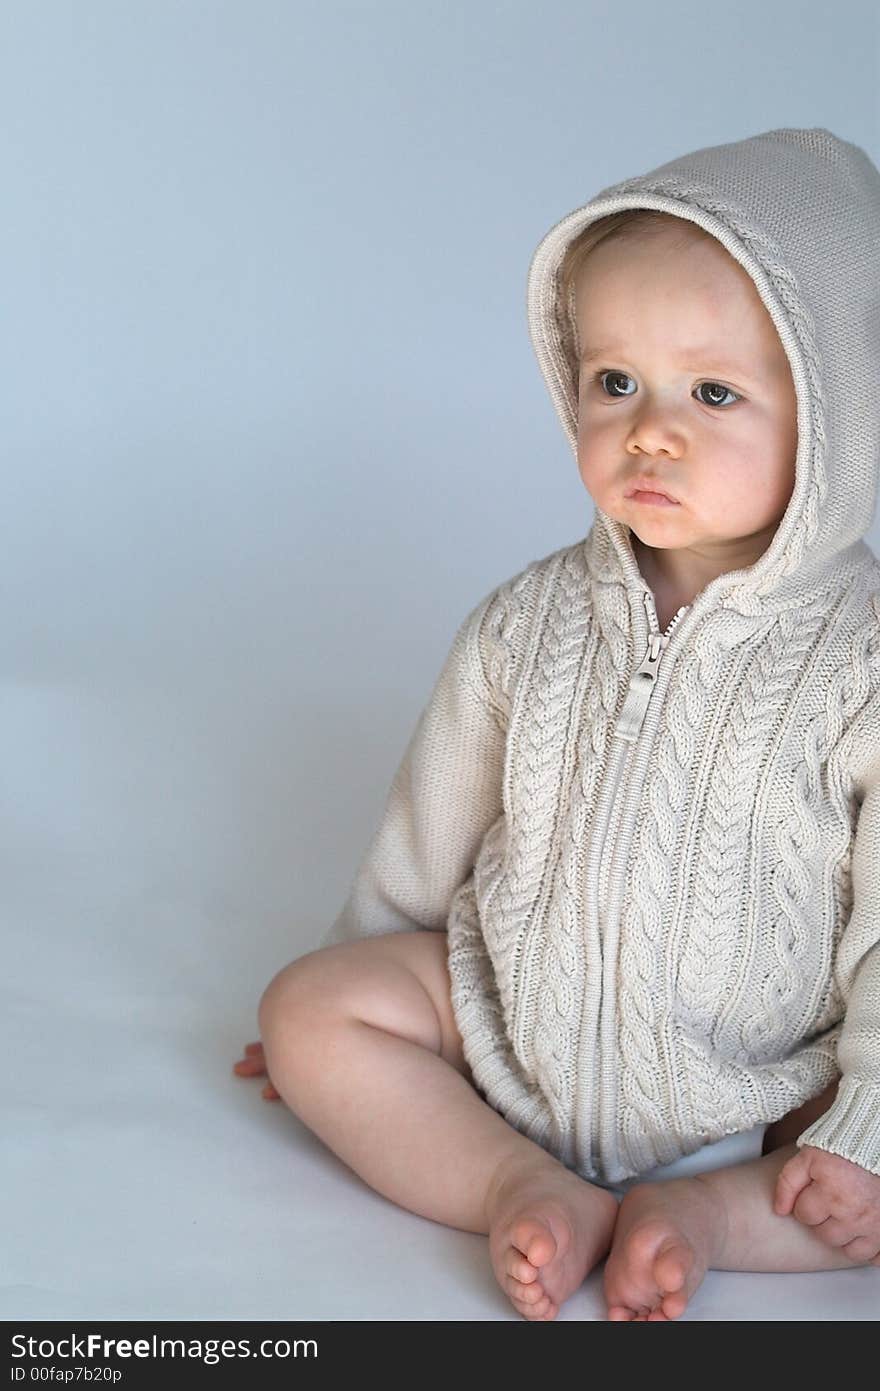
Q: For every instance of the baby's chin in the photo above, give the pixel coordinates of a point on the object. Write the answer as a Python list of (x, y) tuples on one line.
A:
[(662, 526)]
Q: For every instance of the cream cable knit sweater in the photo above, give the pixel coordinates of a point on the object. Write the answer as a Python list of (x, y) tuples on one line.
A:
[(662, 891)]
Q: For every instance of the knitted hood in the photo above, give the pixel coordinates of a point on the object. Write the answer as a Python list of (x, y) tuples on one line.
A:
[(800, 211)]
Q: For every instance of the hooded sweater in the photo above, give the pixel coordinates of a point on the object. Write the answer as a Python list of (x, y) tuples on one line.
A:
[(656, 855)]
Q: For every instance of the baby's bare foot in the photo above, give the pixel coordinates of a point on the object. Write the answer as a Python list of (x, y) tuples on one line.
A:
[(666, 1238), (547, 1229)]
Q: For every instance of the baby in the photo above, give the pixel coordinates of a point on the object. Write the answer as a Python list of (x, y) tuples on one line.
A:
[(624, 900)]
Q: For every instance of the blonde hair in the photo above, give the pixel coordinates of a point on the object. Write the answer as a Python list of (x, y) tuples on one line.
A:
[(629, 223)]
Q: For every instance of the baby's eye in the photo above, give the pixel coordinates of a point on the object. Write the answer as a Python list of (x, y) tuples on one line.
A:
[(724, 390), (603, 372), (713, 387)]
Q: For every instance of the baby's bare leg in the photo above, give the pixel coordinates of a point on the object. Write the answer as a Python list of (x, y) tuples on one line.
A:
[(361, 1042), (757, 1238)]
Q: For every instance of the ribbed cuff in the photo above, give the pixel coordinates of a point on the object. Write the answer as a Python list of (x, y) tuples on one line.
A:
[(851, 1125)]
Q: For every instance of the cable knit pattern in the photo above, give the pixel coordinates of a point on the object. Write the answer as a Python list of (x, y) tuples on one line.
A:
[(501, 620), (644, 1074), (737, 749), (747, 993), (547, 1019), (665, 929), (799, 843)]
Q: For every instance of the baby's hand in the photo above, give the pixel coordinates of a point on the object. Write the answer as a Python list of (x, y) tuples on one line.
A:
[(838, 1199), (253, 1064)]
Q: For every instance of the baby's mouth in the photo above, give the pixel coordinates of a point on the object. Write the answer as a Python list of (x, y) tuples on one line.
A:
[(644, 495)]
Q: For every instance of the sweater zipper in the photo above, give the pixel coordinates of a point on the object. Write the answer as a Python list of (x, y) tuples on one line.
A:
[(627, 732)]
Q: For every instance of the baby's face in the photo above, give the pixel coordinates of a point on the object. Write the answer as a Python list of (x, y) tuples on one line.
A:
[(684, 381)]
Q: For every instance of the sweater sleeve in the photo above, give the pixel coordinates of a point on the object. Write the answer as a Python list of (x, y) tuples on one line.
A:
[(851, 1125), (445, 795)]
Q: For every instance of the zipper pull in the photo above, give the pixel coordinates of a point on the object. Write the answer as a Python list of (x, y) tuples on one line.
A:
[(641, 686)]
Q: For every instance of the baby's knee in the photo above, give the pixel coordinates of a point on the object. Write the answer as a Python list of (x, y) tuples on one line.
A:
[(290, 990), (397, 982)]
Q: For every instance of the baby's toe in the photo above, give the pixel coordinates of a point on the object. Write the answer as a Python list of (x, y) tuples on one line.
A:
[(531, 1303), (524, 1294), (519, 1267), (625, 1313), (672, 1265), (618, 1314), (674, 1305), (533, 1240)]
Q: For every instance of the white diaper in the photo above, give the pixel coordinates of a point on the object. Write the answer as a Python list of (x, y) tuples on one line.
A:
[(730, 1149)]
